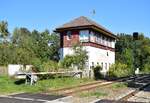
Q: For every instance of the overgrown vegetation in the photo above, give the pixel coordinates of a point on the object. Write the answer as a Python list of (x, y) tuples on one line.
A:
[(29, 47), (131, 54), (119, 70)]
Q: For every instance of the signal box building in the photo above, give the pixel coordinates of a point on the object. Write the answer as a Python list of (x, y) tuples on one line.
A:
[(97, 40)]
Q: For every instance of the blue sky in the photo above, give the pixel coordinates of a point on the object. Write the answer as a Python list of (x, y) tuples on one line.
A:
[(119, 16)]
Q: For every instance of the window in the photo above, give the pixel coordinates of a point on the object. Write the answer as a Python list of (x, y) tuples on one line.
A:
[(92, 65), (92, 36), (102, 65), (68, 35), (97, 63), (103, 40), (110, 42), (105, 66), (99, 39), (107, 41), (84, 35), (107, 54)]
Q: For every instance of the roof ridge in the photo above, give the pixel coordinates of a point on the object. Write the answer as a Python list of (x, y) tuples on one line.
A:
[(92, 22), (87, 19)]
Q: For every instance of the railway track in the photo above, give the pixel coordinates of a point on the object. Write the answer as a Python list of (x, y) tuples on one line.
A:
[(62, 89), (92, 85), (145, 80)]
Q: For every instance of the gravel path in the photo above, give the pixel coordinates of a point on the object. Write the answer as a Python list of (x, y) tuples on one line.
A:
[(142, 96)]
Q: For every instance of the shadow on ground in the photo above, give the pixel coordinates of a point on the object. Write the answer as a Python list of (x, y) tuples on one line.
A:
[(20, 81)]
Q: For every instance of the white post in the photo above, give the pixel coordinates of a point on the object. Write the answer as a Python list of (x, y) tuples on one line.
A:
[(31, 82)]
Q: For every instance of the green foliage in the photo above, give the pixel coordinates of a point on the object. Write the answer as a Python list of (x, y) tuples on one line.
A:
[(4, 33), (36, 62), (78, 58), (50, 66), (45, 66), (135, 54), (68, 61), (119, 70), (146, 69), (9, 85), (25, 47), (97, 73)]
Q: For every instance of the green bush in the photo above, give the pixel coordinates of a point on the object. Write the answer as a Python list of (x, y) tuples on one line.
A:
[(119, 70), (50, 66), (67, 61), (97, 73), (45, 66), (36, 62), (146, 68)]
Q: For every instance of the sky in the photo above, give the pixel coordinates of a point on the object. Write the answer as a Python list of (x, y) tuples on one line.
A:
[(118, 16)]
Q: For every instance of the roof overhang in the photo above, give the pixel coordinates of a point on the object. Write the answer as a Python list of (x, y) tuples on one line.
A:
[(107, 33)]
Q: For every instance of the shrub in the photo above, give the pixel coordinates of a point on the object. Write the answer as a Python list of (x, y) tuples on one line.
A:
[(97, 73), (50, 66), (36, 62), (119, 70), (44, 66), (67, 61), (146, 68)]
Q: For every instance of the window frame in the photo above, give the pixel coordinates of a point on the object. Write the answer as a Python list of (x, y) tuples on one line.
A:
[(69, 35)]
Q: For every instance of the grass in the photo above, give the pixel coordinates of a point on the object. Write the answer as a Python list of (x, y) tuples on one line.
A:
[(119, 85), (96, 94), (10, 85)]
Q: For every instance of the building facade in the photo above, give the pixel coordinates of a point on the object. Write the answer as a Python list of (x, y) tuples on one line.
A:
[(98, 42)]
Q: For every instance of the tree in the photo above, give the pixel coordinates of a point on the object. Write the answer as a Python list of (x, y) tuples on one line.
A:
[(68, 61), (135, 54), (54, 44), (78, 58), (5, 52), (23, 44), (4, 30)]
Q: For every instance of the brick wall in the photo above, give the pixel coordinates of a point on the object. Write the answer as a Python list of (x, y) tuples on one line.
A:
[(65, 42), (69, 42)]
